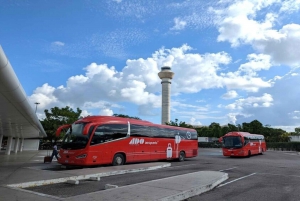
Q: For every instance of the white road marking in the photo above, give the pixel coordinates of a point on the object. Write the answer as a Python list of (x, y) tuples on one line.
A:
[(292, 154), (227, 169), (182, 165), (236, 180)]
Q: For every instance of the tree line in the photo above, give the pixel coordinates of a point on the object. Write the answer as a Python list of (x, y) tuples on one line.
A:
[(56, 117)]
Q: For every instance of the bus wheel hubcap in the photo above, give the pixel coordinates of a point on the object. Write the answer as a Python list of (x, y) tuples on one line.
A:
[(119, 160)]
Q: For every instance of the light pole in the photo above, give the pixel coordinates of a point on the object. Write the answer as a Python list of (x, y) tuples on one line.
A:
[(36, 104)]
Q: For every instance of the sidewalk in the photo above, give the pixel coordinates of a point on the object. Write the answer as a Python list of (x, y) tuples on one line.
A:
[(26, 169)]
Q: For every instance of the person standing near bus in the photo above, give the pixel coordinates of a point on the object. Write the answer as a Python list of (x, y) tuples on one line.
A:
[(54, 152)]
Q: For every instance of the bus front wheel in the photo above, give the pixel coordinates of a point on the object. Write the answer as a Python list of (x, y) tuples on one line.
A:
[(118, 159), (181, 156)]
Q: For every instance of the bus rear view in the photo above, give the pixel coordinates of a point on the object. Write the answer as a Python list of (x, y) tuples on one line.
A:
[(242, 144)]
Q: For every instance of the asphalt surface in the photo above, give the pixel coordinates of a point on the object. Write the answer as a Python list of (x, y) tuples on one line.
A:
[(273, 176)]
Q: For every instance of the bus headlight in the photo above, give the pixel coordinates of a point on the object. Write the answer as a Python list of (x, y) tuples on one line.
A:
[(81, 156)]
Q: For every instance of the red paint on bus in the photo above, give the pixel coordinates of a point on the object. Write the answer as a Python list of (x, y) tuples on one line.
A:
[(97, 140), (242, 144)]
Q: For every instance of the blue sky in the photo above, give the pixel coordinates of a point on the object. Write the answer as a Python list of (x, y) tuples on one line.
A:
[(234, 61)]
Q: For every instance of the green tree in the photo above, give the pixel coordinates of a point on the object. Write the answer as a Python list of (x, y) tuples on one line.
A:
[(232, 127), (57, 117), (224, 130), (215, 129), (285, 137), (297, 131), (125, 116), (255, 127), (179, 124)]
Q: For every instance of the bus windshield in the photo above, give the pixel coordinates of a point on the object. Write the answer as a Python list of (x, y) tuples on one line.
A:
[(232, 142), (74, 138)]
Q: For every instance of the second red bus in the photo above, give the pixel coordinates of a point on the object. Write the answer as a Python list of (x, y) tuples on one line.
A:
[(242, 144)]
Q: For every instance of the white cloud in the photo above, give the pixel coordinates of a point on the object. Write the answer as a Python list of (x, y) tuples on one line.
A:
[(85, 113), (106, 112), (239, 24), (194, 122), (138, 82), (232, 117), (179, 105), (279, 109), (230, 94), (58, 43), (44, 96), (257, 62), (115, 43), (286, 128), (263, 101), (245, 82), (294, 115), (118, 1), (179, 24), (290, 6)]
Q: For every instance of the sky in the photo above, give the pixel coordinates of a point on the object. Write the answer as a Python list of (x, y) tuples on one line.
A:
[(234, 61)]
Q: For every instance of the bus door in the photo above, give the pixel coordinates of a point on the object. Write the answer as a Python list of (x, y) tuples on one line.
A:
[(142, 150), (139, 142), (160, 146), (98, 152)]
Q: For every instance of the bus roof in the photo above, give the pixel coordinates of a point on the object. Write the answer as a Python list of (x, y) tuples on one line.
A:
[(244, 134), (122, 120)]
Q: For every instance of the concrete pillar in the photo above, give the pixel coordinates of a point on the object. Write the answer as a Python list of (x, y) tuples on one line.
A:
[(17, 140), (1, 139), (21, 145), (165, 75), (8, 147)]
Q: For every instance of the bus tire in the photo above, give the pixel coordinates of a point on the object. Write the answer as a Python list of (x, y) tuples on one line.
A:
[(118, 160), (181, 156), (249, 153)]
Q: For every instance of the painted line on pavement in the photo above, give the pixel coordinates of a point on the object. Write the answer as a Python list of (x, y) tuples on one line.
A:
[(182, 165), (236, 180), (227, 169), (37, 193)]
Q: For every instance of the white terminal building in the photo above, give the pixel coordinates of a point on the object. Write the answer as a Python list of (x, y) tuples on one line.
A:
[(20, 128)]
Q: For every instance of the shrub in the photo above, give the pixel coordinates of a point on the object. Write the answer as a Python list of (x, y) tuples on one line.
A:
[(209, 144), (284, 146)]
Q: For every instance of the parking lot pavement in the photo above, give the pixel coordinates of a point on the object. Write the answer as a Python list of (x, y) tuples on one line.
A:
[(23, 170)]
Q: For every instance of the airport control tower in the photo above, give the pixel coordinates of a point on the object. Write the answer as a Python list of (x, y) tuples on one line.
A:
[(165, 75)]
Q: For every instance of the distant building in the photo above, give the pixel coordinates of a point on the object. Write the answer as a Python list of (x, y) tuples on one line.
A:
[(207, 139), (295, 138)]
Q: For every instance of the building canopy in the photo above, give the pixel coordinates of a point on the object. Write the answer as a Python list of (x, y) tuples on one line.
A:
[(17, 116)]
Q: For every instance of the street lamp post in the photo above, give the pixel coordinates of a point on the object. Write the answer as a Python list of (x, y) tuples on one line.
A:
[(36, 104)]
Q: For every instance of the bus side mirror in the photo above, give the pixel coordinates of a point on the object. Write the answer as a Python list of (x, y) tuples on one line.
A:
[(58, 131), (220, 139), (87, 128)]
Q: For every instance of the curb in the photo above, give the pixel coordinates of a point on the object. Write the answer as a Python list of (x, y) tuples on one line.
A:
[(83, 177), (195, 191)]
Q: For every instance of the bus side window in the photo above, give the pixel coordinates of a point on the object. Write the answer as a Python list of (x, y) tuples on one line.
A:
[(246, 141), (98, 136), (117, 131), (140, 131), (109, 132)]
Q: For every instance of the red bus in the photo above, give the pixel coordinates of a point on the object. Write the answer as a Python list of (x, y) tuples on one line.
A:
[(97, 140), (242, 144)]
